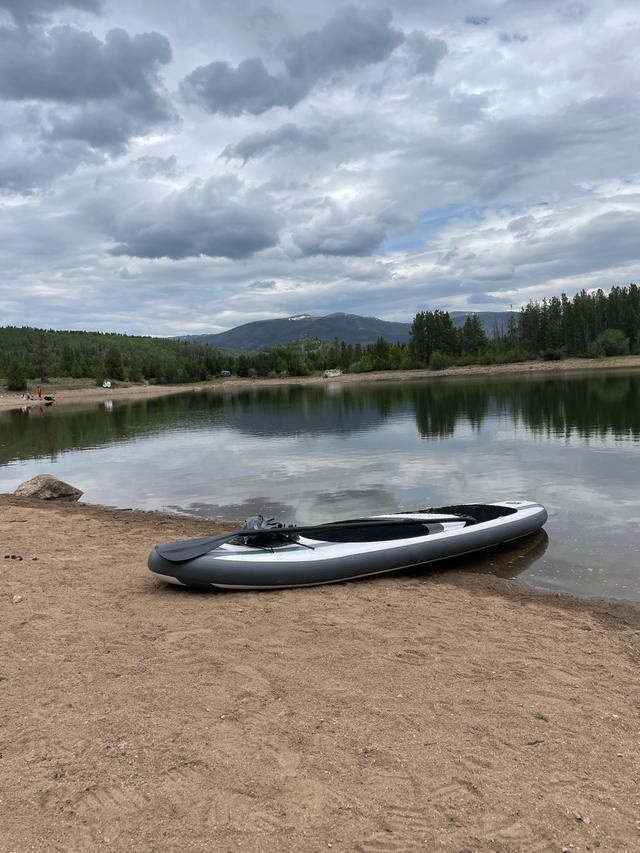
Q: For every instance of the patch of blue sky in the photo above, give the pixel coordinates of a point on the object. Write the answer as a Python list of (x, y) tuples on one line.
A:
[(430, 222)]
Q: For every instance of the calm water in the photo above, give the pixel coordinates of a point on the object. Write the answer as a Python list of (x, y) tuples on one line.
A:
[(318, 453)]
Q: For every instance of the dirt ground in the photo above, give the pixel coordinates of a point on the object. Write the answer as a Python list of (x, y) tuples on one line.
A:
[(11, 400), (437, 711)]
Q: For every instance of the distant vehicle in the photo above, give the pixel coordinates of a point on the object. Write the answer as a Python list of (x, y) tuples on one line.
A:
[(225, 373), (106, 384)]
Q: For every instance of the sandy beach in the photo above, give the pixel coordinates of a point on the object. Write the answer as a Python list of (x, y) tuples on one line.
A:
[(9, 400), (440, 710)]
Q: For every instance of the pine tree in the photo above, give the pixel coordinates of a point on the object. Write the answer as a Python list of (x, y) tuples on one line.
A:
[(418, 339), (113, 364), (67, 360), (474, 337), (41, 358), (16, 375)]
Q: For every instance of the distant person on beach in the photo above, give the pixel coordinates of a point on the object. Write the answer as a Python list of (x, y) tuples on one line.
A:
[(39, 392)]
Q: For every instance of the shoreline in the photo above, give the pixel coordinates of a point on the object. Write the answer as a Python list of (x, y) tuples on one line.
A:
[(217, 526), (10, 400), (434, 710)]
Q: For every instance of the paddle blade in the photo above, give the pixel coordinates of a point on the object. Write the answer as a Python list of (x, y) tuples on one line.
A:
[(189, 549)]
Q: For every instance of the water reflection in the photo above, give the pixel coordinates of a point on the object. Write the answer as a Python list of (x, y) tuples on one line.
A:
[(506, 561), (314, 453), (592, 407)]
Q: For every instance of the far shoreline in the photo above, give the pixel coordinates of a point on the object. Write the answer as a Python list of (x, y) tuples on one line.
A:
[(92, 393)]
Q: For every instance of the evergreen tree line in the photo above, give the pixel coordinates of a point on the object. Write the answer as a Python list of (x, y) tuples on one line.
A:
[(36, 355), (593, 325)]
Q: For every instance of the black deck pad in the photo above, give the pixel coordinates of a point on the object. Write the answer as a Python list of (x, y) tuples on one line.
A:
[(479, 512), (370, 534)]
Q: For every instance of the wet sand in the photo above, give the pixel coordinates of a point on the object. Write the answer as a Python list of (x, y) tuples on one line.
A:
[(9, 400), (433, 711)]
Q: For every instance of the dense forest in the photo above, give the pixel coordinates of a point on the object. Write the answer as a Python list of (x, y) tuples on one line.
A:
[(591, 325)]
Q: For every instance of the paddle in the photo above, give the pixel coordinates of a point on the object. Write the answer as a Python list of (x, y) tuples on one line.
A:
[(178, 552)]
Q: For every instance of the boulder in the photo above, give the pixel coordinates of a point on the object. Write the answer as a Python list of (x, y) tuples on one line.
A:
[(48, 488)]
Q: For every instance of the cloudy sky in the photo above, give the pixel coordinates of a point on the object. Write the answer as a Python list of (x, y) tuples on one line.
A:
[(183, 167)]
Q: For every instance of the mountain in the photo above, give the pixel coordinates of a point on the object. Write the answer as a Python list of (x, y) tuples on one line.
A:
[(350, 328)]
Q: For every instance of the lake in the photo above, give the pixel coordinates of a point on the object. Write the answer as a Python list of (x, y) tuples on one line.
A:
[(316, 453)]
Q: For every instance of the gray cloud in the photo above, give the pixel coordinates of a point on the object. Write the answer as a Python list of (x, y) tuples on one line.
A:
[(249, 88), (150, 167), (462, 109), (575, 11), (507, 38), (28, 162), (507, 154), (339, 231), (522, 225), (83, 95), (604, 240), (218, 219), (477, 20), (425, 53), (329, 141), (110, 126), (25, 170), (65, 64), (268, 284), (359, 237), (27, 11), (350, 39), (284, 138)]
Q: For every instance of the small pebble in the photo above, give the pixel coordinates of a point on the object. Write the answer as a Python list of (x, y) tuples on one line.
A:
[(16, 598)]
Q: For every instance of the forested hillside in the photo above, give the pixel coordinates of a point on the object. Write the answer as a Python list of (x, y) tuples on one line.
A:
[(592, 324), (28, 354), (39, 354)]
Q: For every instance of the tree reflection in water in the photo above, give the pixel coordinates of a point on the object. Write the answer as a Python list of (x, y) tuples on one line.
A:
[(585, 406)]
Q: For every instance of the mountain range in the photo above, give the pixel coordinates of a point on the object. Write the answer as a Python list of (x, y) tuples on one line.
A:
[(350, 328)]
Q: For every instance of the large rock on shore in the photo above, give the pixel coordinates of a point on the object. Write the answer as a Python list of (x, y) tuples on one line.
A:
[(48, 488)]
